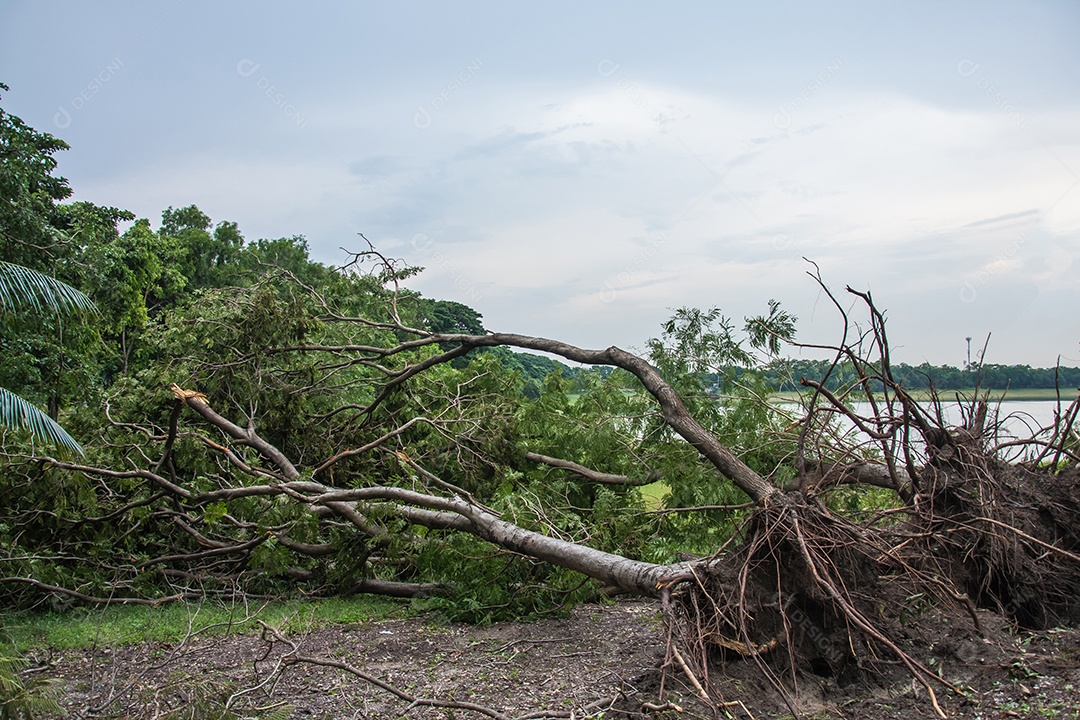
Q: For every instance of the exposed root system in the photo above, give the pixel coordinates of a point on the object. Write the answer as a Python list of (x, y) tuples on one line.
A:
[(809, 593)]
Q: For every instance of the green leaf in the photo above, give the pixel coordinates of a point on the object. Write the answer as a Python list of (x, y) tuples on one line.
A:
[(20, 287), (214, 512), (18, 413)]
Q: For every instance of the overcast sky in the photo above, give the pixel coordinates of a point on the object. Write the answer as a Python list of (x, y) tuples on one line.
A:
[(578, 170)]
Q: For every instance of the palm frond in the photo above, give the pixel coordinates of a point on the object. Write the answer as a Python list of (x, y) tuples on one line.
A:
[(20, 287), (18, 413)]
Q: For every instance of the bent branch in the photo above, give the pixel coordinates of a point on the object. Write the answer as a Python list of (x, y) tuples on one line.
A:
[(593, 475)]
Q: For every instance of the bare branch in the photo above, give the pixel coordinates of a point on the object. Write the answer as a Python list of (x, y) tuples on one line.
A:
[(99, 600), (593, 475)]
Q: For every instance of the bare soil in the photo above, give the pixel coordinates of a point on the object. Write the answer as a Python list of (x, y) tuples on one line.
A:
[(606, 661)]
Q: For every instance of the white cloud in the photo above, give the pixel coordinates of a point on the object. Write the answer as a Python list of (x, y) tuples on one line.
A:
[(878, 190), (542, 204)]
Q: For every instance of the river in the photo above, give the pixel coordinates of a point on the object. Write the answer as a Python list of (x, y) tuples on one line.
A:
[(1016, 419)]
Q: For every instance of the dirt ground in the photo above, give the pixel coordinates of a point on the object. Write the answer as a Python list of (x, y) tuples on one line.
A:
[(600, 661)]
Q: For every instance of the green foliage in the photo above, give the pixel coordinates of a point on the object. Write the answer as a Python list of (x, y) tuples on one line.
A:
[(45, 263), (769, 332), (695, 341), (785, 376), (28, 189), (20, 287), (695, 353), (30, 227), (22, 699), (18, 413), (532, 370), (206, 258), (287, 254), (447, 316)]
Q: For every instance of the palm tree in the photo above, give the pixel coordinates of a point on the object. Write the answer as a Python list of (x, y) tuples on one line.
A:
[(22, 287)]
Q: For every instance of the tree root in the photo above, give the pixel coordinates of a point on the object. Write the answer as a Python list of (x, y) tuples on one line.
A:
[(800, 580)]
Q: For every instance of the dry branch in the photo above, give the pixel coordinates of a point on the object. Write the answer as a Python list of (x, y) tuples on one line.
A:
[(593, 475)]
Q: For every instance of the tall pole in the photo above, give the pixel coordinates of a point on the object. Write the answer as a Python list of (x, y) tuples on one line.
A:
[(968, 366)]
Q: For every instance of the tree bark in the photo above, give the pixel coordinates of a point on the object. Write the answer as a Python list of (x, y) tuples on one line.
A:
[(594, 475)]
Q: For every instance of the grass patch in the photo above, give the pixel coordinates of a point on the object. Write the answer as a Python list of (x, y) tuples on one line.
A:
[(653, 494), (81, 628)]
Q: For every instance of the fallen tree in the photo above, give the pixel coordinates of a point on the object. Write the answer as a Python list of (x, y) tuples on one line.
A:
[(346, 489)]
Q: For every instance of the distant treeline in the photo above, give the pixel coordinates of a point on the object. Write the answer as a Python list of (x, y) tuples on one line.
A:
[(786, 374)]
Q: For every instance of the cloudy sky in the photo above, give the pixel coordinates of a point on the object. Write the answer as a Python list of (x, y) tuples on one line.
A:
[(579, 170)]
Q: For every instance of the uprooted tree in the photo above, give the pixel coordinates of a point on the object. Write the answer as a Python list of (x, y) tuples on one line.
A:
[(326, 436)]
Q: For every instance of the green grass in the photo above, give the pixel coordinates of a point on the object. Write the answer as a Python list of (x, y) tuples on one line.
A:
[(127, 624), (653, 494)]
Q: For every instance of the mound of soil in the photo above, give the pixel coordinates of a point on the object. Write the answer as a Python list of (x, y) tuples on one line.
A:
[(609, 659)]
